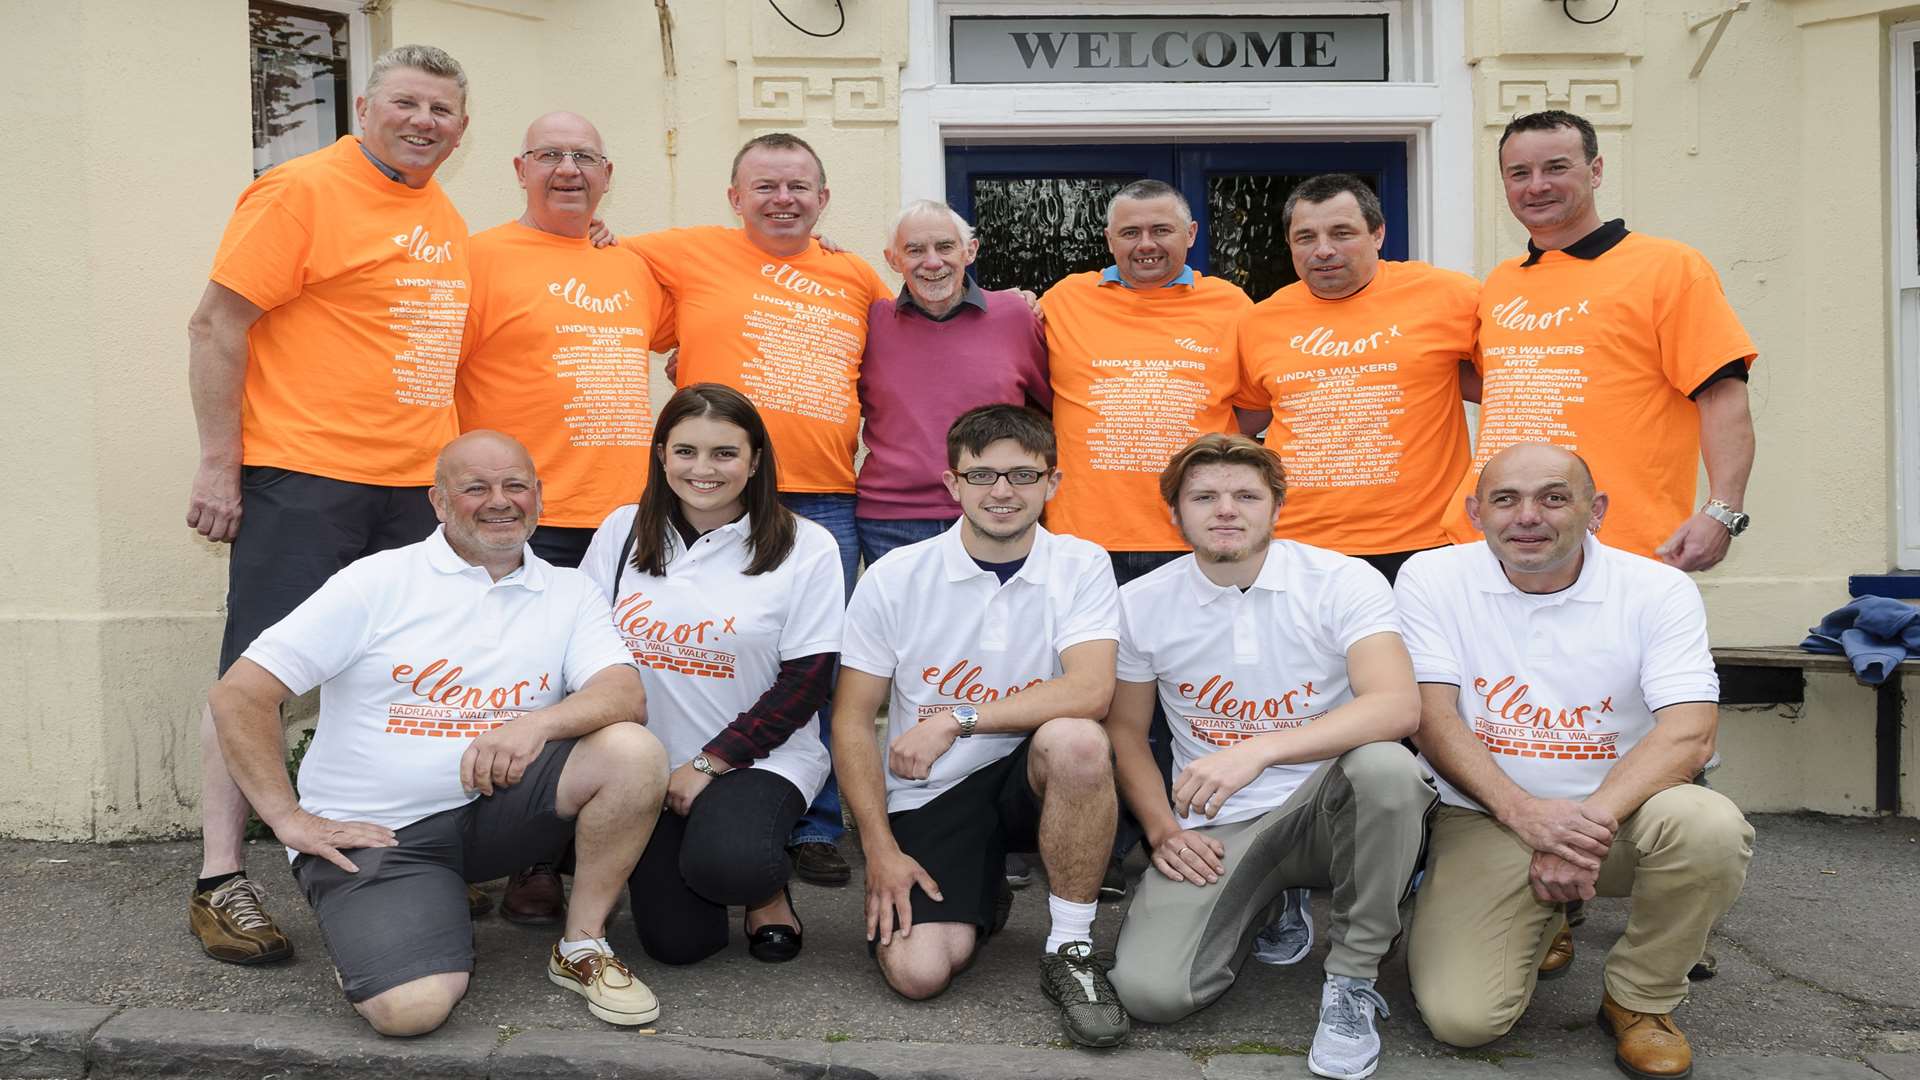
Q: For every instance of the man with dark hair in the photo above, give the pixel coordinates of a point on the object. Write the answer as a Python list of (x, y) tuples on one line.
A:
[(457, 676), (992, 647), (1364, 363), (1568, 699), (766, 310), (1616, 344), (321, 363), (1281, 669)]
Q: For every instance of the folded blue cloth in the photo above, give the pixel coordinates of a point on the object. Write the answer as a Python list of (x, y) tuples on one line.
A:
[(1874, 633)]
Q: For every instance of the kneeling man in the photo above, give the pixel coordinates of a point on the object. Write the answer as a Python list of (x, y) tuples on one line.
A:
[(998, 639), (1285, 683), (1568, 699), (458, 677)]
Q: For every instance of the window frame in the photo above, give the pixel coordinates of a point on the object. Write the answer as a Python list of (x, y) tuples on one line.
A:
[(1904, 287), (359, 46)]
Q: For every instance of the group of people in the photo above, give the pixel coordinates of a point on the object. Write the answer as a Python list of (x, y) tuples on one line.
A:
[(553, 634)]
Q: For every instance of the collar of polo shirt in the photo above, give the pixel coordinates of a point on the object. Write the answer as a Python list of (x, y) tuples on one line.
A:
[(531, 573)]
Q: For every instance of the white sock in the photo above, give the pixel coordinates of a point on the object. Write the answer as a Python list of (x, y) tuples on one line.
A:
[(572, 949), (1070, 922)]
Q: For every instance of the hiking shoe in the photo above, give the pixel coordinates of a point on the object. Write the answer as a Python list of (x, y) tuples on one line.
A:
[(1077, 982), (612, 993), (1113, 884), (1287, 939), (820, 864), (1345, 1045), (232, 927), (1019, 872)]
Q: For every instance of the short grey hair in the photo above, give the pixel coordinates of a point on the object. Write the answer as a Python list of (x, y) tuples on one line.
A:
[(427, 58), (1151, 189), (928, 208)]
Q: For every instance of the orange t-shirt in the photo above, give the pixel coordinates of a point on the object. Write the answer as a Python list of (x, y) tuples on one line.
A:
[(556, 356), (1598, 356), (786, 332), (1137, 374), (1365, 393), (364, 284)]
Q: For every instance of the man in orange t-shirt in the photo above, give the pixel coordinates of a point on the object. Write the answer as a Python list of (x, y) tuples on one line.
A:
[(321, 362), (556, 347), (1617, 345), (767, 311), (1361, 362), (1142, 356)]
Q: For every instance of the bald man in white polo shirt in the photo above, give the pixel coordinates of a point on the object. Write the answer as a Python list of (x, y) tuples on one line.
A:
[(457, 676), (1568, 699), (996, 641), (1286, 686)]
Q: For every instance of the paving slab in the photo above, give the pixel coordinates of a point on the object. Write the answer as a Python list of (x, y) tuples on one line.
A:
[(1896, 1066), (615, 1055), (243, 1046), (47, 1038), (1780, 1067), (936, 1061)]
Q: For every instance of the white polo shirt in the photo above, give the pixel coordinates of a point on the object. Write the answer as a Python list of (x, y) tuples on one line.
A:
[(416, 651), (1558, 686), (1232, 665), (949, 633), (710, 640)]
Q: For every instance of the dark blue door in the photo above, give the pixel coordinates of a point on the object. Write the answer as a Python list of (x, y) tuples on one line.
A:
[(1040, 210)]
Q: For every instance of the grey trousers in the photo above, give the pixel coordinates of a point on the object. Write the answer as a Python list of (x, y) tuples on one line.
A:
[(1356, 826)]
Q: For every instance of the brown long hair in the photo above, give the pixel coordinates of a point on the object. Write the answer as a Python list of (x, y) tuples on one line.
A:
[(771, 538)]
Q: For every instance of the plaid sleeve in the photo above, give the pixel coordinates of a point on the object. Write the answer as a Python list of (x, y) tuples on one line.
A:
[(798, 691)]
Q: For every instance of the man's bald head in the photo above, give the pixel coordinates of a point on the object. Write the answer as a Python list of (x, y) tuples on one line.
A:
[(486, 494), (482, 448), (1534, 456), (571, 127), (563, 187)]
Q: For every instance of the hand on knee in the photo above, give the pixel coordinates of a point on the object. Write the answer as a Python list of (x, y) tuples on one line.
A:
[(414, 1008)]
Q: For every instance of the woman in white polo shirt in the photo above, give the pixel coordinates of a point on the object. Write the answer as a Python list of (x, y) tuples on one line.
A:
[(732, 606)]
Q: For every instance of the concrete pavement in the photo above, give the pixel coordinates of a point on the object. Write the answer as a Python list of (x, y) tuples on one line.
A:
[(1819, 962)]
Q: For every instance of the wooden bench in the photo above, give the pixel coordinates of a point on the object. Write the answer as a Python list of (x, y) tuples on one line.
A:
[(1776, 674)]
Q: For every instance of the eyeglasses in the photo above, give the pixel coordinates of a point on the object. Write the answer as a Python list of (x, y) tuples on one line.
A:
[(551, 158), (990, 477)]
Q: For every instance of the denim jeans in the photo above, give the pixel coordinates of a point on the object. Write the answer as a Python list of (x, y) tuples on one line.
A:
[(881, 535), (833, 512)]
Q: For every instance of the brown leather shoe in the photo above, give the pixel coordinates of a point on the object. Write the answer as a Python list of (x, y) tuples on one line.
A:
[(1559, 956), (1646, 1045), (820, 864), (232, 926), (534, 897)]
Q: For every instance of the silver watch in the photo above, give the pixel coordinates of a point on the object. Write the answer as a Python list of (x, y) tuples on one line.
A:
[(703, 763), (1735, 521), (967, 716)]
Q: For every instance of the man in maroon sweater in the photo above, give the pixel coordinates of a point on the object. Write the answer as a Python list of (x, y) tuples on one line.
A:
[(942, 347)]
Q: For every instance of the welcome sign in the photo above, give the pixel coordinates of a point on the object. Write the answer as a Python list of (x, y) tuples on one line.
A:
[(1169, 48)]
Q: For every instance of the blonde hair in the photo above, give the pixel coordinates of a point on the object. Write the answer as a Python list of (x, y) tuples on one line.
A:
[(427, 58)]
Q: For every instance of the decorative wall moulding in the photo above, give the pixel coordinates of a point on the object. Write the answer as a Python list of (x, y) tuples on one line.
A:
[(856, 94)]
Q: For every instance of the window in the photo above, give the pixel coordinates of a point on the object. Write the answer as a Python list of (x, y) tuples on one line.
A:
[(306, 62), (1906, 292)]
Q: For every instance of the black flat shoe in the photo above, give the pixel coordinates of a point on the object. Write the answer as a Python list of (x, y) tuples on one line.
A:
[(776, 943)]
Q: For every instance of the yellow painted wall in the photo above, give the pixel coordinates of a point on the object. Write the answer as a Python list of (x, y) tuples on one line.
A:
[(1771, 163)]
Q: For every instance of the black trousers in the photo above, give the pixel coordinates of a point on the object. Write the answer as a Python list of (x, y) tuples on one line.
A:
[(730, 851)]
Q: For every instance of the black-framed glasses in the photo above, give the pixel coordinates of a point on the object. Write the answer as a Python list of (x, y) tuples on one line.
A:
[(990, 477), (552, 157)]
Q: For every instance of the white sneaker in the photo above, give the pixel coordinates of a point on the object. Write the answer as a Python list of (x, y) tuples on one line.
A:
[(1287, 939), (1345, 1045)]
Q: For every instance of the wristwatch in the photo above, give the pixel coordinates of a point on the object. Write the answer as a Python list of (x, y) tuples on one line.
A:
[(1735, 521), (967, 716), (703, 763)]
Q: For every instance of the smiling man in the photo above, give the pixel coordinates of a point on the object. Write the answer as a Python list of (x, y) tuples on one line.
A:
[(457, 676), (1364, 363), (1568, 699), (766, 310), (943, 346), (1619, 345), (321, 363), (1281, 670), (996, 642)]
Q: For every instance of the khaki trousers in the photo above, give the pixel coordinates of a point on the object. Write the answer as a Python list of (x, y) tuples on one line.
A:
[(1479, 934), (1354, 826)]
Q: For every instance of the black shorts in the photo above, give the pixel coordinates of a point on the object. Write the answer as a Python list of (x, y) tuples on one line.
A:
[(296, 531), (404, 915), (962, 839)]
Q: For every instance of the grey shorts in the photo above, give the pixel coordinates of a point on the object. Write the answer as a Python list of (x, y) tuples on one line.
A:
[(404, 915)]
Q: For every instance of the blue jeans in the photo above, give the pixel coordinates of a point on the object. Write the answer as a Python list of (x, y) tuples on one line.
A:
[(881, 535), (833, 512)]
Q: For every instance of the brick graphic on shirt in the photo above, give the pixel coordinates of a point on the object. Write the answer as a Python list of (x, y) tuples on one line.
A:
[(453, 709), (440, 722), (1231, 719), (666, 645), (1517, 727)]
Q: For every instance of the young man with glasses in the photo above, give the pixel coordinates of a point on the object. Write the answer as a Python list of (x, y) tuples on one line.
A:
[(993, 646)]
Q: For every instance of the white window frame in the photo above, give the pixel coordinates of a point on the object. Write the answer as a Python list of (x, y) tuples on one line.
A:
[(359, 47), (1905, 299), (1428, 105)]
